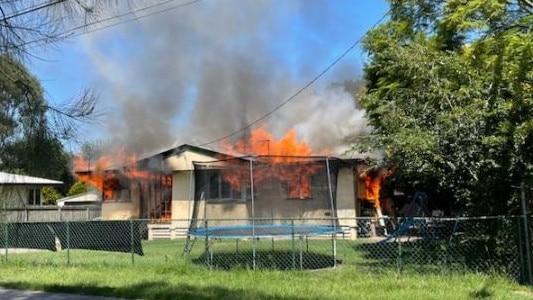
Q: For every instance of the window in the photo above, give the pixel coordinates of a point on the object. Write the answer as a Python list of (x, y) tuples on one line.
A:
[(299, 188), (213, 186), (299, 180), (110, 187), (34, 196), (218, 188), (306, 182)]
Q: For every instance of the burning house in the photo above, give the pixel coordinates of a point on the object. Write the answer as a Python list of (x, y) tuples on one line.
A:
[(263, 178), (130, 188)]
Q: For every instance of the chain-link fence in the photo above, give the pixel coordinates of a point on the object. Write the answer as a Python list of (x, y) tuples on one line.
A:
[(414, 245), (442, 245)]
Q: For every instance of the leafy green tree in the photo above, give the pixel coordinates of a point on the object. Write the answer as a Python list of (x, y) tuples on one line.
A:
[(27, 25), (79, 187), (50, 195), (32, 128), (449, 98), (27, 142)]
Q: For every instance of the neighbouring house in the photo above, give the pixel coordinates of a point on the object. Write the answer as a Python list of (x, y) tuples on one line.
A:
[(166, 188), (91, 197), (22, 191)]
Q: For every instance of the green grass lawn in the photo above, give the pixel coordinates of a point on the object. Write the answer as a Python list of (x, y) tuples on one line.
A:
[(163, 273)]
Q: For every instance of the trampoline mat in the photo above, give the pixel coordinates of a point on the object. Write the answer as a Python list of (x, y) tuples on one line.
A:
[(255, 231)]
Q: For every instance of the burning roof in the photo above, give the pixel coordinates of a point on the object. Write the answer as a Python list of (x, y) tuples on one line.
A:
[(290, 156)]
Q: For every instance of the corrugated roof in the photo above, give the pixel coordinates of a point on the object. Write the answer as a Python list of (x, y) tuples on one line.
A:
[(11, 179)]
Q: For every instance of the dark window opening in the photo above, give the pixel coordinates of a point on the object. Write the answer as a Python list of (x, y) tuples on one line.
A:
[(213, 186), (34, 196)]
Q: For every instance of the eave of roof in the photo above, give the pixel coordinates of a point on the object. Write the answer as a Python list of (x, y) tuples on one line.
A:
[(181, 149), (17, 179)]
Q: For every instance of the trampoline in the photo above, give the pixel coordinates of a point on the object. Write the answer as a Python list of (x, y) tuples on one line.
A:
[(280, 210), (279, 246), (264, 231)]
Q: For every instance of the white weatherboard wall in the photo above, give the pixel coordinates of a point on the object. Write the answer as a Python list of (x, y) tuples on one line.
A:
[(182, 200), (14, 188), (13, 195), (122, 210), (183, 187), (346, 201)]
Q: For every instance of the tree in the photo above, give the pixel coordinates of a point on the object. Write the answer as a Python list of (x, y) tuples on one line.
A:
[(26, 25), (32, 128), (28, 144), (79, 187), (449, 97), (50, 195)]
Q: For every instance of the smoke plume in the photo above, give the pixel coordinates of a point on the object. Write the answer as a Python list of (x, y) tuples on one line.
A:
[(201, 72)]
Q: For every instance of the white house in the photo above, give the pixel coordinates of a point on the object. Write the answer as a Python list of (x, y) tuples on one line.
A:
[(91, 197), (21, 191), (174, 194)]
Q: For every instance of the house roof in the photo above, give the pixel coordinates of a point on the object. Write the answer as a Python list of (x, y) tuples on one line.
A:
[(145, 160), (163, 154), (222, 156), (17, 179), (182, 148), (90, 197)]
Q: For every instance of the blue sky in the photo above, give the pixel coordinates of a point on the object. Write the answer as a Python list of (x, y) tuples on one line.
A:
[(196, 73)]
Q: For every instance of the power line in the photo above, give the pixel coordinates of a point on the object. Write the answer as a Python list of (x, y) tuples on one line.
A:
[(65, 33), (70, 33), (303, 88), (30, 10), (133, 19)]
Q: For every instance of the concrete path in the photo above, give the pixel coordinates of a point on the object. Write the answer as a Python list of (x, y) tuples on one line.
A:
[(35, 295)]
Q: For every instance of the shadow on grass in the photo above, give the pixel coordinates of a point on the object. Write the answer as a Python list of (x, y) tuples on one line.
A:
[(373, 250), (267, 260), (435, 257), (420, 256), (153, 290)]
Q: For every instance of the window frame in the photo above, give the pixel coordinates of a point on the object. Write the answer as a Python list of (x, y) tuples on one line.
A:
[(35, 197), (317, 185), (216, 185)]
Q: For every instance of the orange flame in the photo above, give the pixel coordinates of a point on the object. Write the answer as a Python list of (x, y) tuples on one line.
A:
[(96, 174), (373, 181), (261, 142), (104, 172), (286, 154)]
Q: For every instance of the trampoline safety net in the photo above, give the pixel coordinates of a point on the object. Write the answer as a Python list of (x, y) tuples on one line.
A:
[(264, 190)]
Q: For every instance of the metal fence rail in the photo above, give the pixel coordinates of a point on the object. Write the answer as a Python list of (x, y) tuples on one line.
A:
[(413, 245)]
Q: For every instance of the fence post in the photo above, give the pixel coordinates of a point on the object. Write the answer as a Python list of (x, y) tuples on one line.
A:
[(131, 242), (334, 242), (526, 233), (6, 236), (68, 242), (293, 246), (207, 249), (399, 259)]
